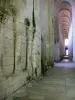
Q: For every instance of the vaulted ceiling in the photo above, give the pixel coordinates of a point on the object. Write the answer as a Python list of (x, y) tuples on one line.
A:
[(65, 16)]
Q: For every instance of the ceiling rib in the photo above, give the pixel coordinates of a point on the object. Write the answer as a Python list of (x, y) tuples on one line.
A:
[(65, 16)]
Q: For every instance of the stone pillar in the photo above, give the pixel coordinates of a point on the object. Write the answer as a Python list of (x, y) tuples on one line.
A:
[(30, 37), (70, 42), (49, 35), (43, 26), (36, 50), (57, 52), (62, 46)]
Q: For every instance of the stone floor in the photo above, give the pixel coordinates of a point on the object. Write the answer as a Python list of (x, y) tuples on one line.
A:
[(66, 63), (58, 84)]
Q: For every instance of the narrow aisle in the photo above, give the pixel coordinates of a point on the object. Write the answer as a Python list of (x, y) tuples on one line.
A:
[(66, 63), (58, 84)]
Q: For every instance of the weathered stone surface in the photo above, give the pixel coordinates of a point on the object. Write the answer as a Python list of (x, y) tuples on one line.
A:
[(58, 84)]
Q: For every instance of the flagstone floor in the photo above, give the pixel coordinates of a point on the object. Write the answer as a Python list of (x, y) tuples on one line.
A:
[(57, 84)]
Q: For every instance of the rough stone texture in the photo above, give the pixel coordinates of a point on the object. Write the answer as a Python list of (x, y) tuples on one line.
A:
[(11, 82)]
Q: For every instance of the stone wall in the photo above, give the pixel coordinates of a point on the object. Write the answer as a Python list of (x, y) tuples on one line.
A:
[(17, 68), (25, 27)]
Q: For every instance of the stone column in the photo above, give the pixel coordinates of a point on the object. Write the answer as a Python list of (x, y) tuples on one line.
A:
[(70, 42), (57, 52), (30, 37), (49, 35), (43, 26), (36, 50)]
